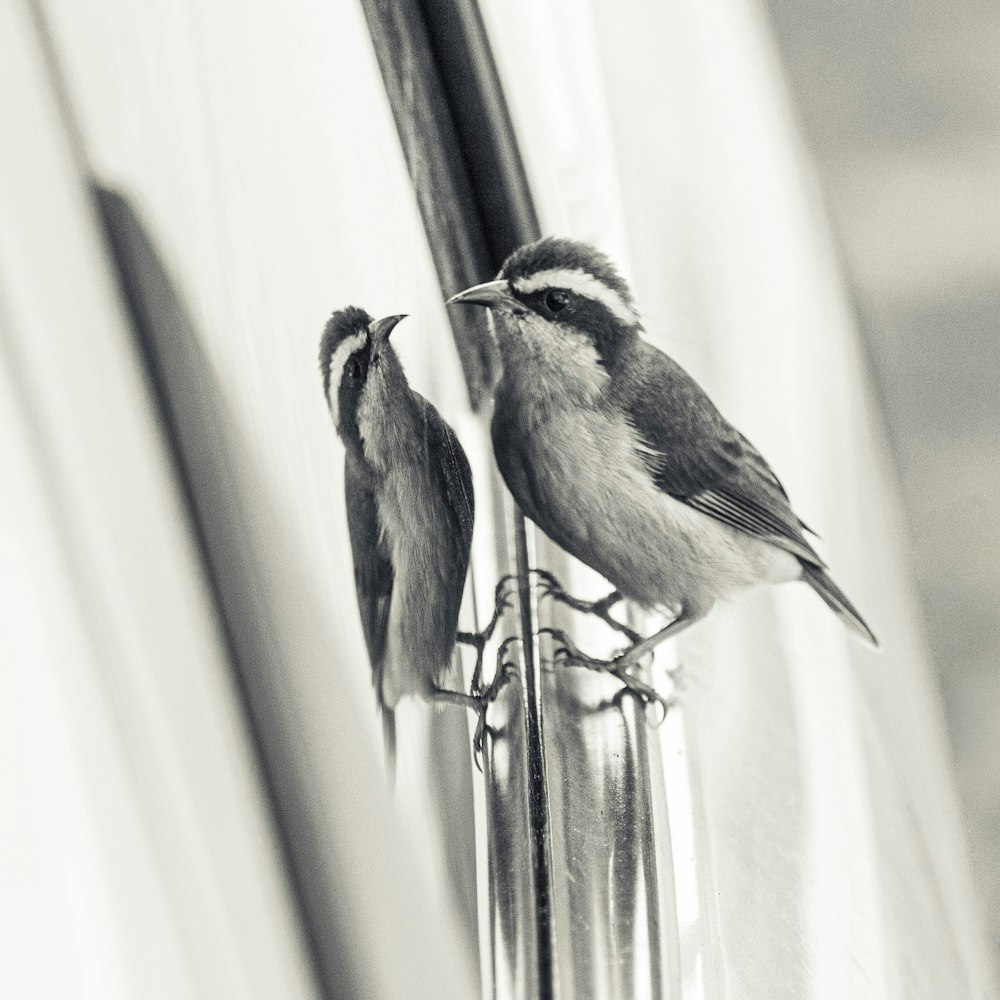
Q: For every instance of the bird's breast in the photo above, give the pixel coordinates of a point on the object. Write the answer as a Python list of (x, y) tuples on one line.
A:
[(579, 474)]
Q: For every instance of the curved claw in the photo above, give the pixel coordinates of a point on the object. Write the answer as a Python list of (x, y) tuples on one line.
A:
[(565, 651), (500, 594), (505, 669), (477, 742), (547, 583), (647, 694), (562, 647), (478, 640), (504, 646), (479, 737), (477, 679), (549, 586)]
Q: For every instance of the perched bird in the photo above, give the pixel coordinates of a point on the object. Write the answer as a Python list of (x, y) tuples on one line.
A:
[(410, 511), (620, 457)]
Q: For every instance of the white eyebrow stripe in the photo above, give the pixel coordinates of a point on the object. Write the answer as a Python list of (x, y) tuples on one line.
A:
[(582, 283), (338, 360)]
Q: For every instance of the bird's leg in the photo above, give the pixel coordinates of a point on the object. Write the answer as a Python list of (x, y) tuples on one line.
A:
[(478, 640), (505, 669), (479, 700), (551, 587), (449, 697), (639, 649), (565, 651)]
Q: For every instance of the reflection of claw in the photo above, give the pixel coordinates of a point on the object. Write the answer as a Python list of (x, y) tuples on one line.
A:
[(549, 586), (504, 671), (565, 651), (478, 640), (662, 703)]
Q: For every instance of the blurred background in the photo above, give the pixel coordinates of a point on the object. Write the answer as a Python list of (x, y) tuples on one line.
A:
[(900, 105)]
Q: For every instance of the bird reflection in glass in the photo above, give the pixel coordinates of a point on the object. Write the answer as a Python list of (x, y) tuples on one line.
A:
[(410, 512)]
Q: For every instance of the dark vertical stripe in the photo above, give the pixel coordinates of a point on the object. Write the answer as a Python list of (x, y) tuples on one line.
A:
[(471, 88), (470, 183), (208, 465), (167, 343), (456, 230)]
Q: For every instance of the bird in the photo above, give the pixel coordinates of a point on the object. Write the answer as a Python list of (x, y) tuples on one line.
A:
[(410, 512), (622, 459)]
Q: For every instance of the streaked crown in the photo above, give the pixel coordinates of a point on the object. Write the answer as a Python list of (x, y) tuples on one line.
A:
[(352, 348), (570, 282), (345, 353)]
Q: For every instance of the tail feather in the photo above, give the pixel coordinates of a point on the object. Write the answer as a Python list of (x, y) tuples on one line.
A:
[(389, 742), (837, 601)]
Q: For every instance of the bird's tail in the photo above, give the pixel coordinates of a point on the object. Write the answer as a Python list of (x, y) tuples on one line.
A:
[(837, 601), (389, 742)]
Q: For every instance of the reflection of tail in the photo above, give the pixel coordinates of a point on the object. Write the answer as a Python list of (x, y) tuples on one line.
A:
[(389, 742), (837, 600)]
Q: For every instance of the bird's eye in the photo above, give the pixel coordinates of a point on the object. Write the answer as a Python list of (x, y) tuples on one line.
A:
[(354, 369), (556, 300)]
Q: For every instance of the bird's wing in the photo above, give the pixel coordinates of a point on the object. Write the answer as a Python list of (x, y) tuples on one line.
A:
[(696, 456), (373, 573), (449, 467)]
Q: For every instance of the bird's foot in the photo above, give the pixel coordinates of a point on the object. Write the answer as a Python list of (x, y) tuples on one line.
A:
[(505, 669), (478, 640), (565, 651), (549, 586), (479, 699)]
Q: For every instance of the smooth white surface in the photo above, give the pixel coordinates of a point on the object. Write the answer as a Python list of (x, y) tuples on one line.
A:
[(83, 912), (249, 182), (141, 849)]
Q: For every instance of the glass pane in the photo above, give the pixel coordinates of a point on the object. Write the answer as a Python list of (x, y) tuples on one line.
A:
[(801, 769)]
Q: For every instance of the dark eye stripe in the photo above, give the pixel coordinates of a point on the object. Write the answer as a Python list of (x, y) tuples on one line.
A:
[(580, 283), (345, 350)]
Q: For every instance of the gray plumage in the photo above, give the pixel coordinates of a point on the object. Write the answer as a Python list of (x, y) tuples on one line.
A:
[(619, 455), (410, 510)]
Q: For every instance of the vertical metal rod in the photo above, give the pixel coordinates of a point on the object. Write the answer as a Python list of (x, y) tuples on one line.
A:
[(538, 787), (473, 195)]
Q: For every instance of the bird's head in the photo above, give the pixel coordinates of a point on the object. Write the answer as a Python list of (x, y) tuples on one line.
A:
[(360, 370), (560, 301)]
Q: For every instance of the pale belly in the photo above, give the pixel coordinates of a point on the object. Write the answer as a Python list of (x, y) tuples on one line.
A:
[(595, 497), (427, 591)]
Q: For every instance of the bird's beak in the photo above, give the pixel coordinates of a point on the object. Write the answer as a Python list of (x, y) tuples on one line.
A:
[(491, 293), (381, 329)]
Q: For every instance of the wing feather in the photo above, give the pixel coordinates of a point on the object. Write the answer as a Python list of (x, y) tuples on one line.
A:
[(696, 456), (450, 471), (450, 466), (373, 573)]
